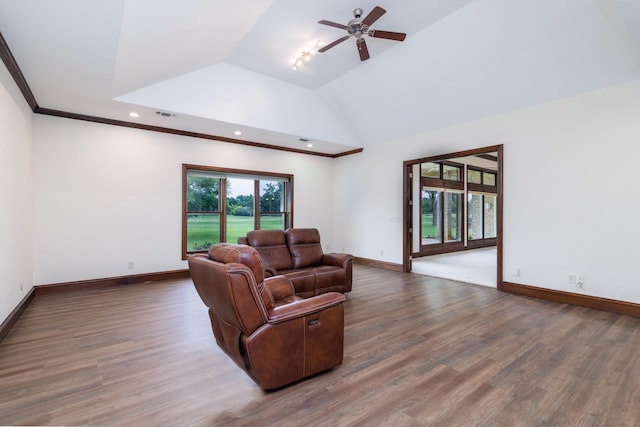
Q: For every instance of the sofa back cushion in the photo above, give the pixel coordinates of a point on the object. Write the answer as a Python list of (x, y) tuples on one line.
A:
[(272, 247), (304, 246)]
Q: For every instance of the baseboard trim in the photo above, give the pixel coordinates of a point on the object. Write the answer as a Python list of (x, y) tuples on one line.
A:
[(379, 264), (111, 281), (605, 304), (13, 317)]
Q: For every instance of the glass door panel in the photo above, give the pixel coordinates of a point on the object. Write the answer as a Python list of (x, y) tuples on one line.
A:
[(490, 221), (431, 216), (474, 216), (453, 217)]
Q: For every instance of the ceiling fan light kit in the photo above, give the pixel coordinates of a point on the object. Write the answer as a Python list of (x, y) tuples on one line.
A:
[(358, 28)]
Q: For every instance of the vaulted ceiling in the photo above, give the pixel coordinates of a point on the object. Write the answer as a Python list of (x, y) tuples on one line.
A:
[(216, 66)]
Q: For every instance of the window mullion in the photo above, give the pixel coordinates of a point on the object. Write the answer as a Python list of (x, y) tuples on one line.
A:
[(223, 209), (256, 204)]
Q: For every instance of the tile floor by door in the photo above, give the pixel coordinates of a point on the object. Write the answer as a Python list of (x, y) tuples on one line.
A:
[(477, 266)]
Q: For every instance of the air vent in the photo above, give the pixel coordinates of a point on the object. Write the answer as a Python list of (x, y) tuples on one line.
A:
[(165, 114)]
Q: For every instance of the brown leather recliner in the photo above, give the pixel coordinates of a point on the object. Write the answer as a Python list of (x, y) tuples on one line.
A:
[(276, 337)]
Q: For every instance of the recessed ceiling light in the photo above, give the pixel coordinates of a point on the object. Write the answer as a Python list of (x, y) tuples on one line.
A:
[(134, 114), (238, 133), (309, 145)]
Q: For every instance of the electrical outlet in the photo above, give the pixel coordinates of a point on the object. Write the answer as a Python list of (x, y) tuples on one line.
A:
[(515, 272), (130, 265), (572, 279), (580, 281)]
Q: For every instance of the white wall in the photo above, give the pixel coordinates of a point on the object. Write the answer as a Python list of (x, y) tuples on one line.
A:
[(16, 196), (570, 203), (107, 195)]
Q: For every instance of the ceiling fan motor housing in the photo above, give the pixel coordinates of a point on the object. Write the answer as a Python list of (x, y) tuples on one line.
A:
[(355, 27)]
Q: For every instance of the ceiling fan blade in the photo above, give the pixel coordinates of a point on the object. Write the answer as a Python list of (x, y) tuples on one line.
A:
[(373, 16), (362, 49), (387, 35), (333, 24), (332, 44)]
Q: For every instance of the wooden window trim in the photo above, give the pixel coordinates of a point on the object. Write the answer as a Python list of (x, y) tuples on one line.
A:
[(257, 175)]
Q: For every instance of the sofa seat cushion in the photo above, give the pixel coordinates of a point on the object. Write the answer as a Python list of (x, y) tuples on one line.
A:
[(304, 281)]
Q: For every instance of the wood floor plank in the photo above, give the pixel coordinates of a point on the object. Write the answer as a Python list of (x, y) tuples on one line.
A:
[(418, 351)]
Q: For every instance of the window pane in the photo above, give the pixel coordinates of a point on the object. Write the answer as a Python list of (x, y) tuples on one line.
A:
[(203, 230), (488, 178), (452, 173), (272, 221), (452, 216), (474, 216), (490, 226), (431, 219), (271, 196), (202, 193), (431, 170), (239, 208), (474, 177), (238, 226)]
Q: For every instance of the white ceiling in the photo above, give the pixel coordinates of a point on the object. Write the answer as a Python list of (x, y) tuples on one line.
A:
[(219, 66)]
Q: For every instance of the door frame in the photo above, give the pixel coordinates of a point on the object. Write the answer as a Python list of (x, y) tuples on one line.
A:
[(407, 211)]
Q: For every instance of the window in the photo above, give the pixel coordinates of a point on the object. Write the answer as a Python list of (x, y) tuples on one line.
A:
[(430, 170), (431, 216), (489, 178), (474, 176), (441, 216), (442, 205), (451, 173), (272, 212), (220, 205), (481, 180), (481, 204), (482, 216), (453, 216), (490, 222)]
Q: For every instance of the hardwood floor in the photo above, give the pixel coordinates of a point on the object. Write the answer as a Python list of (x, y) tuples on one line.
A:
[(418, 351)]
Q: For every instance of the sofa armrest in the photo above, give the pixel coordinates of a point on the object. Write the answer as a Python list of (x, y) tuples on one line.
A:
[(339, 260), (280, 287), (304, 307)]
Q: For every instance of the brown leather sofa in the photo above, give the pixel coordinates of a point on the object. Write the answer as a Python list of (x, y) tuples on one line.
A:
[(297, 254), (274, 336)]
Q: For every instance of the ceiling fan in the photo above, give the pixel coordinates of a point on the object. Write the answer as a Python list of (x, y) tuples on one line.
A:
[(358, 27)]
